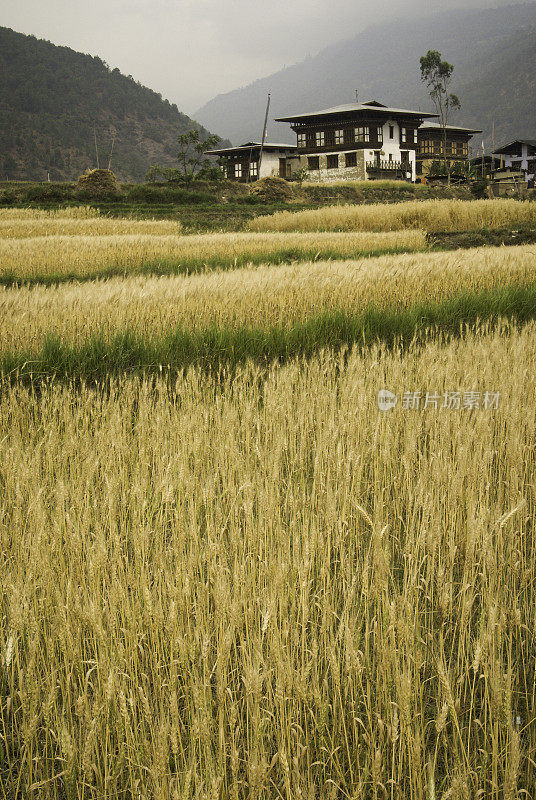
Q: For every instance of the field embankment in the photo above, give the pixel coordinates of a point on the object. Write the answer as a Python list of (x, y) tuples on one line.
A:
[(429, 215)]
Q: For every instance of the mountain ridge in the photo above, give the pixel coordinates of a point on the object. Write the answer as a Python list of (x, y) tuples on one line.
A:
[(382, 62), (54, 103)]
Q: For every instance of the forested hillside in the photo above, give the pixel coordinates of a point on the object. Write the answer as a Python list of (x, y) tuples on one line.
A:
[(54, 102), (493, 51)]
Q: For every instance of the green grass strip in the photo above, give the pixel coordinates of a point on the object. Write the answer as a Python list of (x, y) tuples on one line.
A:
[(213, 348)]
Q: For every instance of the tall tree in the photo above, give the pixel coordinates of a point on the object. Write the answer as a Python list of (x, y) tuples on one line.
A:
[(437, 74)]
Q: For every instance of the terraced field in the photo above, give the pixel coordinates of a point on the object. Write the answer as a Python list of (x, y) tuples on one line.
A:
[(225, 571)]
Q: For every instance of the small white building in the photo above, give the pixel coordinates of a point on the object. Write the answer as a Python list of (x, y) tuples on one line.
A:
[(519, 155), (245, 163)]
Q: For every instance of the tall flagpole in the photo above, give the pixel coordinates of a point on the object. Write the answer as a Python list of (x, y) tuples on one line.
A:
[(263, 135)]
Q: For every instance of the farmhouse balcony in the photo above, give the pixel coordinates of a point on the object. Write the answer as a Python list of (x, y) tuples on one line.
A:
[(389, 166)]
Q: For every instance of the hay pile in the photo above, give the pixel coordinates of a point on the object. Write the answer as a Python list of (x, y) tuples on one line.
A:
[(272, 189), (97, 184)]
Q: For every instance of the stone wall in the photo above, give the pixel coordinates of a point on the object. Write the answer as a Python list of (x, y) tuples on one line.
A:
[(325, 175)]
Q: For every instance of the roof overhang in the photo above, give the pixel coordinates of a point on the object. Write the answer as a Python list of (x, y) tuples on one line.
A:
[(269, 147), (361, 109), (435, 126), (506, 147)]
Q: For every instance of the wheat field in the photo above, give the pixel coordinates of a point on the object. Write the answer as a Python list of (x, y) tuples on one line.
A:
[(428, 215), (269, 588), (238, 578), (59, 257), (83, 223), (258, 297)]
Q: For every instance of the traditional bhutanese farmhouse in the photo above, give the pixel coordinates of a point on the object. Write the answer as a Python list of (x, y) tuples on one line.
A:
[(432, 146), (244, 163), (358, 141), (520, 156)]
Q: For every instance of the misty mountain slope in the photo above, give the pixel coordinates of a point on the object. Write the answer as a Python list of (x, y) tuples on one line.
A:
[(53, 101), (382, 62)]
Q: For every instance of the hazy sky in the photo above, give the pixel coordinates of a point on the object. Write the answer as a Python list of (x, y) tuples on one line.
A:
[(191, 50)]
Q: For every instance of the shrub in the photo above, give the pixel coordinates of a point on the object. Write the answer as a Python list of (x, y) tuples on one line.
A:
[(46, 193), (479, 188)]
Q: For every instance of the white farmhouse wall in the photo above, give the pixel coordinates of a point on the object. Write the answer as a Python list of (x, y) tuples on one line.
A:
[(270, 164), (509, 160), (394, 148)]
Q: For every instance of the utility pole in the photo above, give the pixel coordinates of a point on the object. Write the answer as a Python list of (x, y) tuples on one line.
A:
[(263, 136), (96, 148), (111, 153), (493, 147)]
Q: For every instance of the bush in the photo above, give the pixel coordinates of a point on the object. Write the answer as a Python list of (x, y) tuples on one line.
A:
[(46, 193), (479, 188), (272, 189), (167, 194), (8, 198)]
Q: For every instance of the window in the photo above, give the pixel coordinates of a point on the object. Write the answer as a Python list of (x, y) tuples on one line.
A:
[(330, 138), (403, 137), (310, 139), (319, 138), (333, 162), (253, 169), (313, 162), (362, 134), (415, 139), (339, 137), (391, 131), (238, 170), (461, 148), (230, 171), (349, 136), (302, 139), (350, 159), (380, 133), (430, 147)]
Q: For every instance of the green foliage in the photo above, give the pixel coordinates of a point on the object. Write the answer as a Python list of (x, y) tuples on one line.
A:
[(167, 194), (300, 175), (479, 188), (54, 102), (193, 165), (191, 153), (158, 173), (437, 75)]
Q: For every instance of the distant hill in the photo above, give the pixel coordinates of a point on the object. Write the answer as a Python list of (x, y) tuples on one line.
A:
[(53, 101), (493, 51)]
